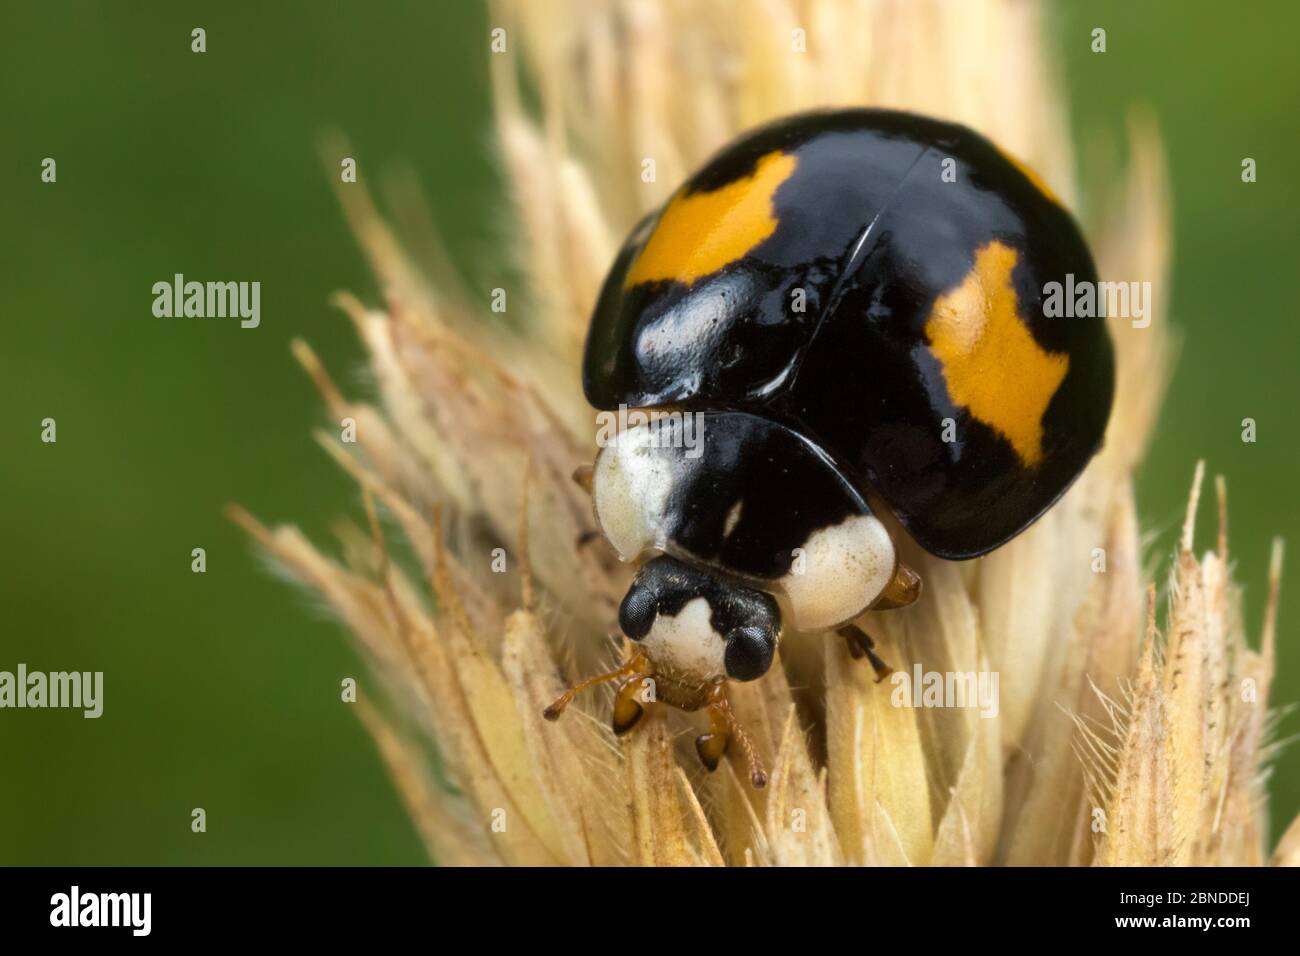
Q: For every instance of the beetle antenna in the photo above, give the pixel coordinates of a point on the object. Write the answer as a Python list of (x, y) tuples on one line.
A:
[(634, 666), (757, 776)]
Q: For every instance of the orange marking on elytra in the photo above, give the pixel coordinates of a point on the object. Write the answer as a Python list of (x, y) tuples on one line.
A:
[(991, 362), (699, 233)]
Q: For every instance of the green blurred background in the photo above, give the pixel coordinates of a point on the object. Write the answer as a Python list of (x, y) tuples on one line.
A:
[(222, 688)]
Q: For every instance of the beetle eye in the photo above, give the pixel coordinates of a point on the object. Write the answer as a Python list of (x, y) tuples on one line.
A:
[(749, 652), (637, 612)]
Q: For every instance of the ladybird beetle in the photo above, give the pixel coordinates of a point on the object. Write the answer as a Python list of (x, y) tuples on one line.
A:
[(849, 306)]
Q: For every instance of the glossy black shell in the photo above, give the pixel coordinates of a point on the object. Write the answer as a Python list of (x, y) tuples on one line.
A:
[(887, 225)]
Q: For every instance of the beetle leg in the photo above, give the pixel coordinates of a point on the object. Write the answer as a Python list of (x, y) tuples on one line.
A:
[(723, 728), (713, 745), (582, 477), (628, 709), (903, 589), (861, 645)]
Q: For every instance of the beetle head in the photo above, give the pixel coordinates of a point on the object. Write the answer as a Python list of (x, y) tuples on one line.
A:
[(698, 626)]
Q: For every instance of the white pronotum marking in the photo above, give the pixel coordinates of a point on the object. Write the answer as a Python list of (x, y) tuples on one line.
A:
[(846, 566), (631, 485)]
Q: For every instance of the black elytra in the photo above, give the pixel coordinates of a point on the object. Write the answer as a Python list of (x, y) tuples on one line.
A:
[(870, 285)]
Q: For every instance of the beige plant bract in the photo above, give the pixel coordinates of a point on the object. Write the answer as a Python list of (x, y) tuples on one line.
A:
[(1111, 745)]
